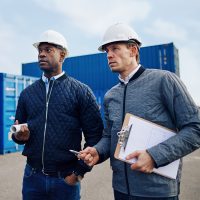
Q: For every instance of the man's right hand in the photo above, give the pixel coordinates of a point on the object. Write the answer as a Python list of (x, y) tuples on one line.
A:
[(23, 134), (89, 155)]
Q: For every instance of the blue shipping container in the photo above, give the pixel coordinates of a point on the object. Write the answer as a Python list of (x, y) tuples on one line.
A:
[(10, 89), (94, 71), (163, 56)]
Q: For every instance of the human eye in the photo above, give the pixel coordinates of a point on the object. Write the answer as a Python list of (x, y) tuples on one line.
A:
[(48, 50), (115, 48), (40, 50)]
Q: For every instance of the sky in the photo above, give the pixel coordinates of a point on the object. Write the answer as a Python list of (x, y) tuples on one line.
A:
[(83, 23)]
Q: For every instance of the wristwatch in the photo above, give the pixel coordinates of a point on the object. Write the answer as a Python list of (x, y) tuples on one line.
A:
[(78, 176)]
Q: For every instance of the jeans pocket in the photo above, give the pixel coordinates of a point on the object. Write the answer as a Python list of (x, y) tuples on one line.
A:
[(28, 171)]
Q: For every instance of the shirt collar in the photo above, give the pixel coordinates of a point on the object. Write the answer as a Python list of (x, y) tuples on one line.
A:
[(46, 80), (126, 80)]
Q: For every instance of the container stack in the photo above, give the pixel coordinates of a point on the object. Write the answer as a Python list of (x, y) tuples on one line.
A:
[(92, 70)]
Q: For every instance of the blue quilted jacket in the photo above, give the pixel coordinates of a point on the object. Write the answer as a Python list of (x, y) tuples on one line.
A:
[(57, 126)]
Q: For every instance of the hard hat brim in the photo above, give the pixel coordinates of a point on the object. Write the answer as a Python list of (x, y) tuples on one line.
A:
[(102, 47), (36, 45)]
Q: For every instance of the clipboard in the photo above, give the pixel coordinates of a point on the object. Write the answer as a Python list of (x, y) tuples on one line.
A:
[(140, 134)]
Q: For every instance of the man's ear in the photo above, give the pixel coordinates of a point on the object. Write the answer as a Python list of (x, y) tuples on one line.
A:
[(62, 56), (133, 50)]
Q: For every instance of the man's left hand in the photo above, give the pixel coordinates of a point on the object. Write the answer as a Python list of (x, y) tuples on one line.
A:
[(71, 179), (144, 163)]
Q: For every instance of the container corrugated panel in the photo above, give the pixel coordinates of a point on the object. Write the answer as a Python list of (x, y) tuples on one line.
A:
[(163, 56), (10, 89), (92, 70), (99, 94)]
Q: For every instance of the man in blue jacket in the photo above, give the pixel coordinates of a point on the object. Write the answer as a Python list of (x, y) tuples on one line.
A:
[(155, 95), (57, 109)]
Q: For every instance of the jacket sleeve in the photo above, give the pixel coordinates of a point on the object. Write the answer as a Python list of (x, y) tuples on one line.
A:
[(91, 123), (186, 117), (20, 115), (103, 146)]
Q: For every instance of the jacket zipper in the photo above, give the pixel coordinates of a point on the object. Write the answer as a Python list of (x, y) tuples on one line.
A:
[(45, 125), (123, 116)]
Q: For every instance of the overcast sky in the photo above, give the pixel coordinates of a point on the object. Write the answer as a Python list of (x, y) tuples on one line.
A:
[(83, 23)]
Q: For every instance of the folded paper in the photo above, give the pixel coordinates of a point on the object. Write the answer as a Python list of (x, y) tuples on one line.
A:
[(17, 128)]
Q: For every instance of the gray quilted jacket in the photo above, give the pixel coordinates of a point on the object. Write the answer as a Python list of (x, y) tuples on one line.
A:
[(161, 97)]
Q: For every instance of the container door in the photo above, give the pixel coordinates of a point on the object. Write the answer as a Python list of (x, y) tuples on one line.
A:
[(13, 86), (1, 114)]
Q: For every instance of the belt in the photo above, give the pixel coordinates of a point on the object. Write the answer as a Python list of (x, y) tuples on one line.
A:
[(56, 174)]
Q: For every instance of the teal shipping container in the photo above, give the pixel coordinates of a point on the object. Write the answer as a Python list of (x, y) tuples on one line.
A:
[(10, 89)]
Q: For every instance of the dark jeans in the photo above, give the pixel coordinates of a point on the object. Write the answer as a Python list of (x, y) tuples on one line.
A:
[(37, 186), (122, 196)]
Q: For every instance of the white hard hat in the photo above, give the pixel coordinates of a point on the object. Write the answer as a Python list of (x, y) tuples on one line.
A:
[(120, 33), (52, 37)]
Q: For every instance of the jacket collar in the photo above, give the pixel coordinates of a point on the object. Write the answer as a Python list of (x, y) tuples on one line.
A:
[(62, 77), (136, 75)]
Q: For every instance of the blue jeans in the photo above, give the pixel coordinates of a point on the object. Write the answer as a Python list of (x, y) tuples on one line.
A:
[(122, 196), (37, 186)]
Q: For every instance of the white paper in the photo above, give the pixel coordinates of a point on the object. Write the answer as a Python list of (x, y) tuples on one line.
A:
[(144, 135), (16, 128)]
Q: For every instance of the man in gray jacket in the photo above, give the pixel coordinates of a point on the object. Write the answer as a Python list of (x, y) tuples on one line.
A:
[(155, 95)]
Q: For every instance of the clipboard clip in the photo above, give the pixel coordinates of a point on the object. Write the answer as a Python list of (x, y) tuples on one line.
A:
[(123, 136)]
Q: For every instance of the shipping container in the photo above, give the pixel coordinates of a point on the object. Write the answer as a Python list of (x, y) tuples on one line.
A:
[(163, 56), (10, 89), (94, 71)]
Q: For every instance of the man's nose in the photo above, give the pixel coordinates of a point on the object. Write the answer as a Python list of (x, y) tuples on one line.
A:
[(109, 54), (41, 54)]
